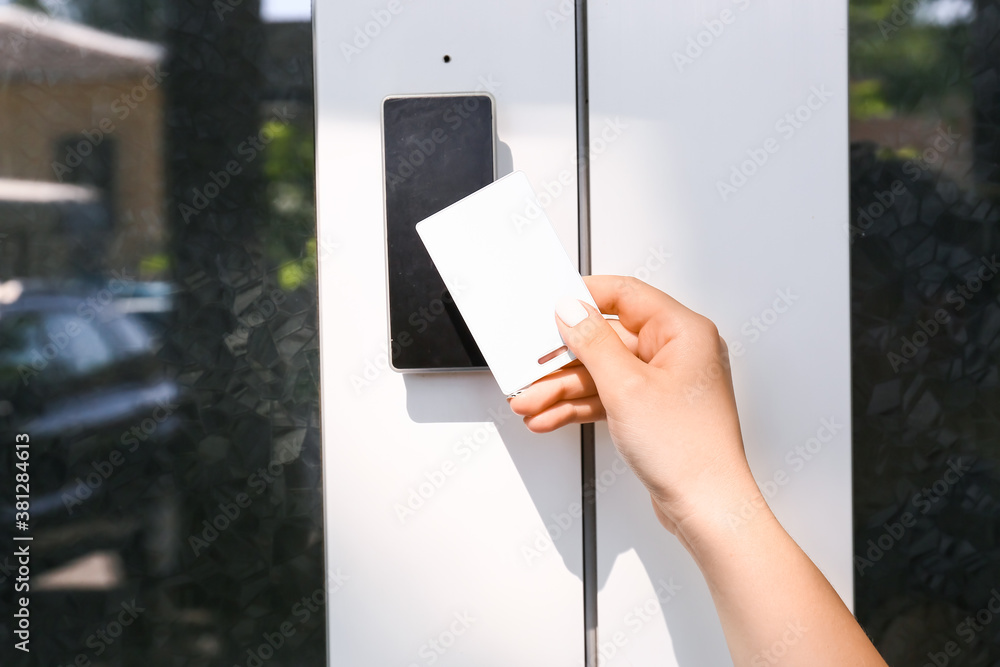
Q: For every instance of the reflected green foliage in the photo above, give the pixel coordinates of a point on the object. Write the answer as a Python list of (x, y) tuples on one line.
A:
[(155, 266), (290, 231), (291, 154), (868, 100), (900, 63)]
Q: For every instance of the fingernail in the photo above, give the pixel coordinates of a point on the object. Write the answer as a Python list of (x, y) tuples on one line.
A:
[(571, 311)]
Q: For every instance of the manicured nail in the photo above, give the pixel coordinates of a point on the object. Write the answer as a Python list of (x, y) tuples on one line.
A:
[(571, 311)]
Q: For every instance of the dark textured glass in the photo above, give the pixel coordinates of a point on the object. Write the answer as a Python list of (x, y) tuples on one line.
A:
[(925, 261), (158, 336)]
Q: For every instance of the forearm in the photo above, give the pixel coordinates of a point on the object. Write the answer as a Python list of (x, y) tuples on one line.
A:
[(776, 607), (676, 424)]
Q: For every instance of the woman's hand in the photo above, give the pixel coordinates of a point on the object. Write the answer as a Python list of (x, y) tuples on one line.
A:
[(662, 381), (660, 376)]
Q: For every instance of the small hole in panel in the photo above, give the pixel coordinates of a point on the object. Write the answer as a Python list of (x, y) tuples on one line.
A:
[(447, 59), (552, 355)]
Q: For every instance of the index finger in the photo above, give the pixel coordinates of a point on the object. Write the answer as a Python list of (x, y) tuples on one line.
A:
[(636, 303)]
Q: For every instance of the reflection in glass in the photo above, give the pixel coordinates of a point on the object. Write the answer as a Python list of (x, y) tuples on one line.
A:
[(158, 331), (926, 318)]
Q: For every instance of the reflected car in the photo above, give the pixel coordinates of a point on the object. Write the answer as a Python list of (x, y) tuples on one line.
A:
[(82, 380)]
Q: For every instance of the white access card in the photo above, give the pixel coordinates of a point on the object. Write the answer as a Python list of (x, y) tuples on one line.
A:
[(506, 270)]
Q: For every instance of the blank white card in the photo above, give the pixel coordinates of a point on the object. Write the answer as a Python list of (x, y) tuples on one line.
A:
[(506, 270)]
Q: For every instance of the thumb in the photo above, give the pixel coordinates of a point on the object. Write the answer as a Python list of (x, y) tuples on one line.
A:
[(589, 336)]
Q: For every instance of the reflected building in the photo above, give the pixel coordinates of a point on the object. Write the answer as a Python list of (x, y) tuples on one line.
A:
[(80, 107), (179, 384)]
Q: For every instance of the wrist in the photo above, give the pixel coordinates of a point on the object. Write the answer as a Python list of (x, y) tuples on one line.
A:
[(725, 515)]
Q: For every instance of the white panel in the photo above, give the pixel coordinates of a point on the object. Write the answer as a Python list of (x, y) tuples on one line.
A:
[(674, 129), (470, 578)]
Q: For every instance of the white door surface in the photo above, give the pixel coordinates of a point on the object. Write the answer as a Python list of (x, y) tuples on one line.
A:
[(719, 174), (727, 187), (437, 497)]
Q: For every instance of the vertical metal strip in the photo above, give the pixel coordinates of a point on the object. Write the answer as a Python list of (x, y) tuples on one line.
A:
[(589, 544), (587, 465)]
